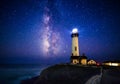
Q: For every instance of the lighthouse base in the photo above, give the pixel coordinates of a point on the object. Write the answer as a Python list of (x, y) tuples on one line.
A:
[(74, 59)]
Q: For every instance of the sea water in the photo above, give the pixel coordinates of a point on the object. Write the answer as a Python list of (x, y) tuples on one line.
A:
[(13, 74)]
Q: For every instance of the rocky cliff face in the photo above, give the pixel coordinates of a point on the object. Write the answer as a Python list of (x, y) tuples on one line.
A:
[(65, 74), (75, 74)]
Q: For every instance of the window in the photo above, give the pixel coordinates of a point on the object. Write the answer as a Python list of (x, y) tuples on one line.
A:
[(75, 48)]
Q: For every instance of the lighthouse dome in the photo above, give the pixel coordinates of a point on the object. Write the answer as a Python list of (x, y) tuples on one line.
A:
[(75, 30)]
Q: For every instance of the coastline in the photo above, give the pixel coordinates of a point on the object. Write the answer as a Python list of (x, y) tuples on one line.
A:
[(64, 73), (14, 73)]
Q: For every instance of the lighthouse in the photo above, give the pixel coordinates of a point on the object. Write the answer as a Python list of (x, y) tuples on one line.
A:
[(75, 47)]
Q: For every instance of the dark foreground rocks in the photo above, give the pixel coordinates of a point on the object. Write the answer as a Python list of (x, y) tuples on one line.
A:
[(75, 74), (111, 75), (64, 74)]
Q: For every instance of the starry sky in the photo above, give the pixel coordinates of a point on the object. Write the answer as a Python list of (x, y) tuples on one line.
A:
[(39, 31)]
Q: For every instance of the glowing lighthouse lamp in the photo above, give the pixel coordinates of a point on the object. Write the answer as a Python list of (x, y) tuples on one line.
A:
[(75, 47)]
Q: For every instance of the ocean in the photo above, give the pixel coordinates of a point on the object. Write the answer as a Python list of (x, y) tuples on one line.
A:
[(14, 73)]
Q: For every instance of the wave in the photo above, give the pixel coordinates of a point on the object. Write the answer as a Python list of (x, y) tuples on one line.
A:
[(15, 75)]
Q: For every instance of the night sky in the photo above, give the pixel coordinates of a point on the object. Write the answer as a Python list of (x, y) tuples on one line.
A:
[(39, 31)]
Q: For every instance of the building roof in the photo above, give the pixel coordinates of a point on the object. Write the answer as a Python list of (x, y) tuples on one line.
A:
[(79, 57), (74, 57), (83, 57)]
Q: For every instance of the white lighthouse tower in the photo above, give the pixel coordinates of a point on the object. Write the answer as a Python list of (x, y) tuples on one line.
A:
[(75, 47)]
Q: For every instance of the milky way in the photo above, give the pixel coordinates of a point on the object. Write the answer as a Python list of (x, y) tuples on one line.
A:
[(51, 38)]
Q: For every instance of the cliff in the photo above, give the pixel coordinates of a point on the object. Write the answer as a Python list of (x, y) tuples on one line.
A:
[(64, 74)]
